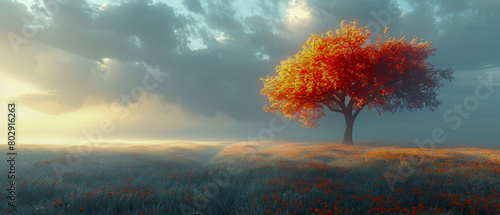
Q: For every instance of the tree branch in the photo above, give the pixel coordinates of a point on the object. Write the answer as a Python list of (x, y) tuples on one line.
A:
[(357, 112), (340, 100), (349, 106), (335, 99), (333, 109)]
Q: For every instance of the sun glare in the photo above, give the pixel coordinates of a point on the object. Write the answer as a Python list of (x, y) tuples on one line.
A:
[(297, 12), (15, 88)]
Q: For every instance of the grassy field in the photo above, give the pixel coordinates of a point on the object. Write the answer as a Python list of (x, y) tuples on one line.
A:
[(250, 178)]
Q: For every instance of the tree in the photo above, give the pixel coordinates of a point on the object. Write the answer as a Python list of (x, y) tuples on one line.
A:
[(345, 73)]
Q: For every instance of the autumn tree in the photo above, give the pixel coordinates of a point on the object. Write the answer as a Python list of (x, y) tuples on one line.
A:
[(345, 73)]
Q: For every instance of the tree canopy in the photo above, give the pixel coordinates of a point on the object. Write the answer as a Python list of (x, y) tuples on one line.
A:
[(388, 75)]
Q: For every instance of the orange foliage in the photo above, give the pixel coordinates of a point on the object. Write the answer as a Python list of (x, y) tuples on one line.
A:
[(388, 75)]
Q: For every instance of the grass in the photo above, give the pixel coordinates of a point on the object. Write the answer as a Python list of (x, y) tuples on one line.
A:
[(243, 178)]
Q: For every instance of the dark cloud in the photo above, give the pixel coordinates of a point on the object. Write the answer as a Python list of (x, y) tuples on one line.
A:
[(76, 30), (194, 6), (155, 25), (86, 50), (16, 13)]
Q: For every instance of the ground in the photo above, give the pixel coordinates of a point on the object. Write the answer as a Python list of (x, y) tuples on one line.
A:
[(254, 178)]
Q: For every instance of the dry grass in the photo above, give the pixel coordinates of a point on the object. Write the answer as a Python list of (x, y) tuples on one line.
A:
[(275, 178)]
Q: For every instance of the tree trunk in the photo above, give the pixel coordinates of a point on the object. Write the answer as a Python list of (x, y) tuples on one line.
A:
[(349, 123)]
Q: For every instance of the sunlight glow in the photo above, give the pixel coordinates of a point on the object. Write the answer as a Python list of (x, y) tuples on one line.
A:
[(297, 12), (16, 88), (223, 36)]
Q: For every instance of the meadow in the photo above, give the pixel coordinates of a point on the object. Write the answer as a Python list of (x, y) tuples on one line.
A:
[(252, 178)]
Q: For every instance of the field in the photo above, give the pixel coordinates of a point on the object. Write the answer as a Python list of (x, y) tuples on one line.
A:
[(251, 178)]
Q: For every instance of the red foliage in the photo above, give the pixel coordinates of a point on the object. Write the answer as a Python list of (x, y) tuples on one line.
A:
[(388, 75)]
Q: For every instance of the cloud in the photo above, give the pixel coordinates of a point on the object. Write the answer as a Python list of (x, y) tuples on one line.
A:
[(298, 15), (194, 6), (164, 120), (102, 51)]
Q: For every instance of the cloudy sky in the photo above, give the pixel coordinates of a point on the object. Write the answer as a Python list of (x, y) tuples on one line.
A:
[(190, 69)]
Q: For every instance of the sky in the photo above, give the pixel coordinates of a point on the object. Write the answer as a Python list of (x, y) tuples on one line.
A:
[(190, 70)]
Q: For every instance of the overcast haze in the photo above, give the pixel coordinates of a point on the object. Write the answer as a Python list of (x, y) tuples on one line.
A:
[(69, 70)]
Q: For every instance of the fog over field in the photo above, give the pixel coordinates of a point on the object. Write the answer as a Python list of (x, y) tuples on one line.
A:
[(252, 178)]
